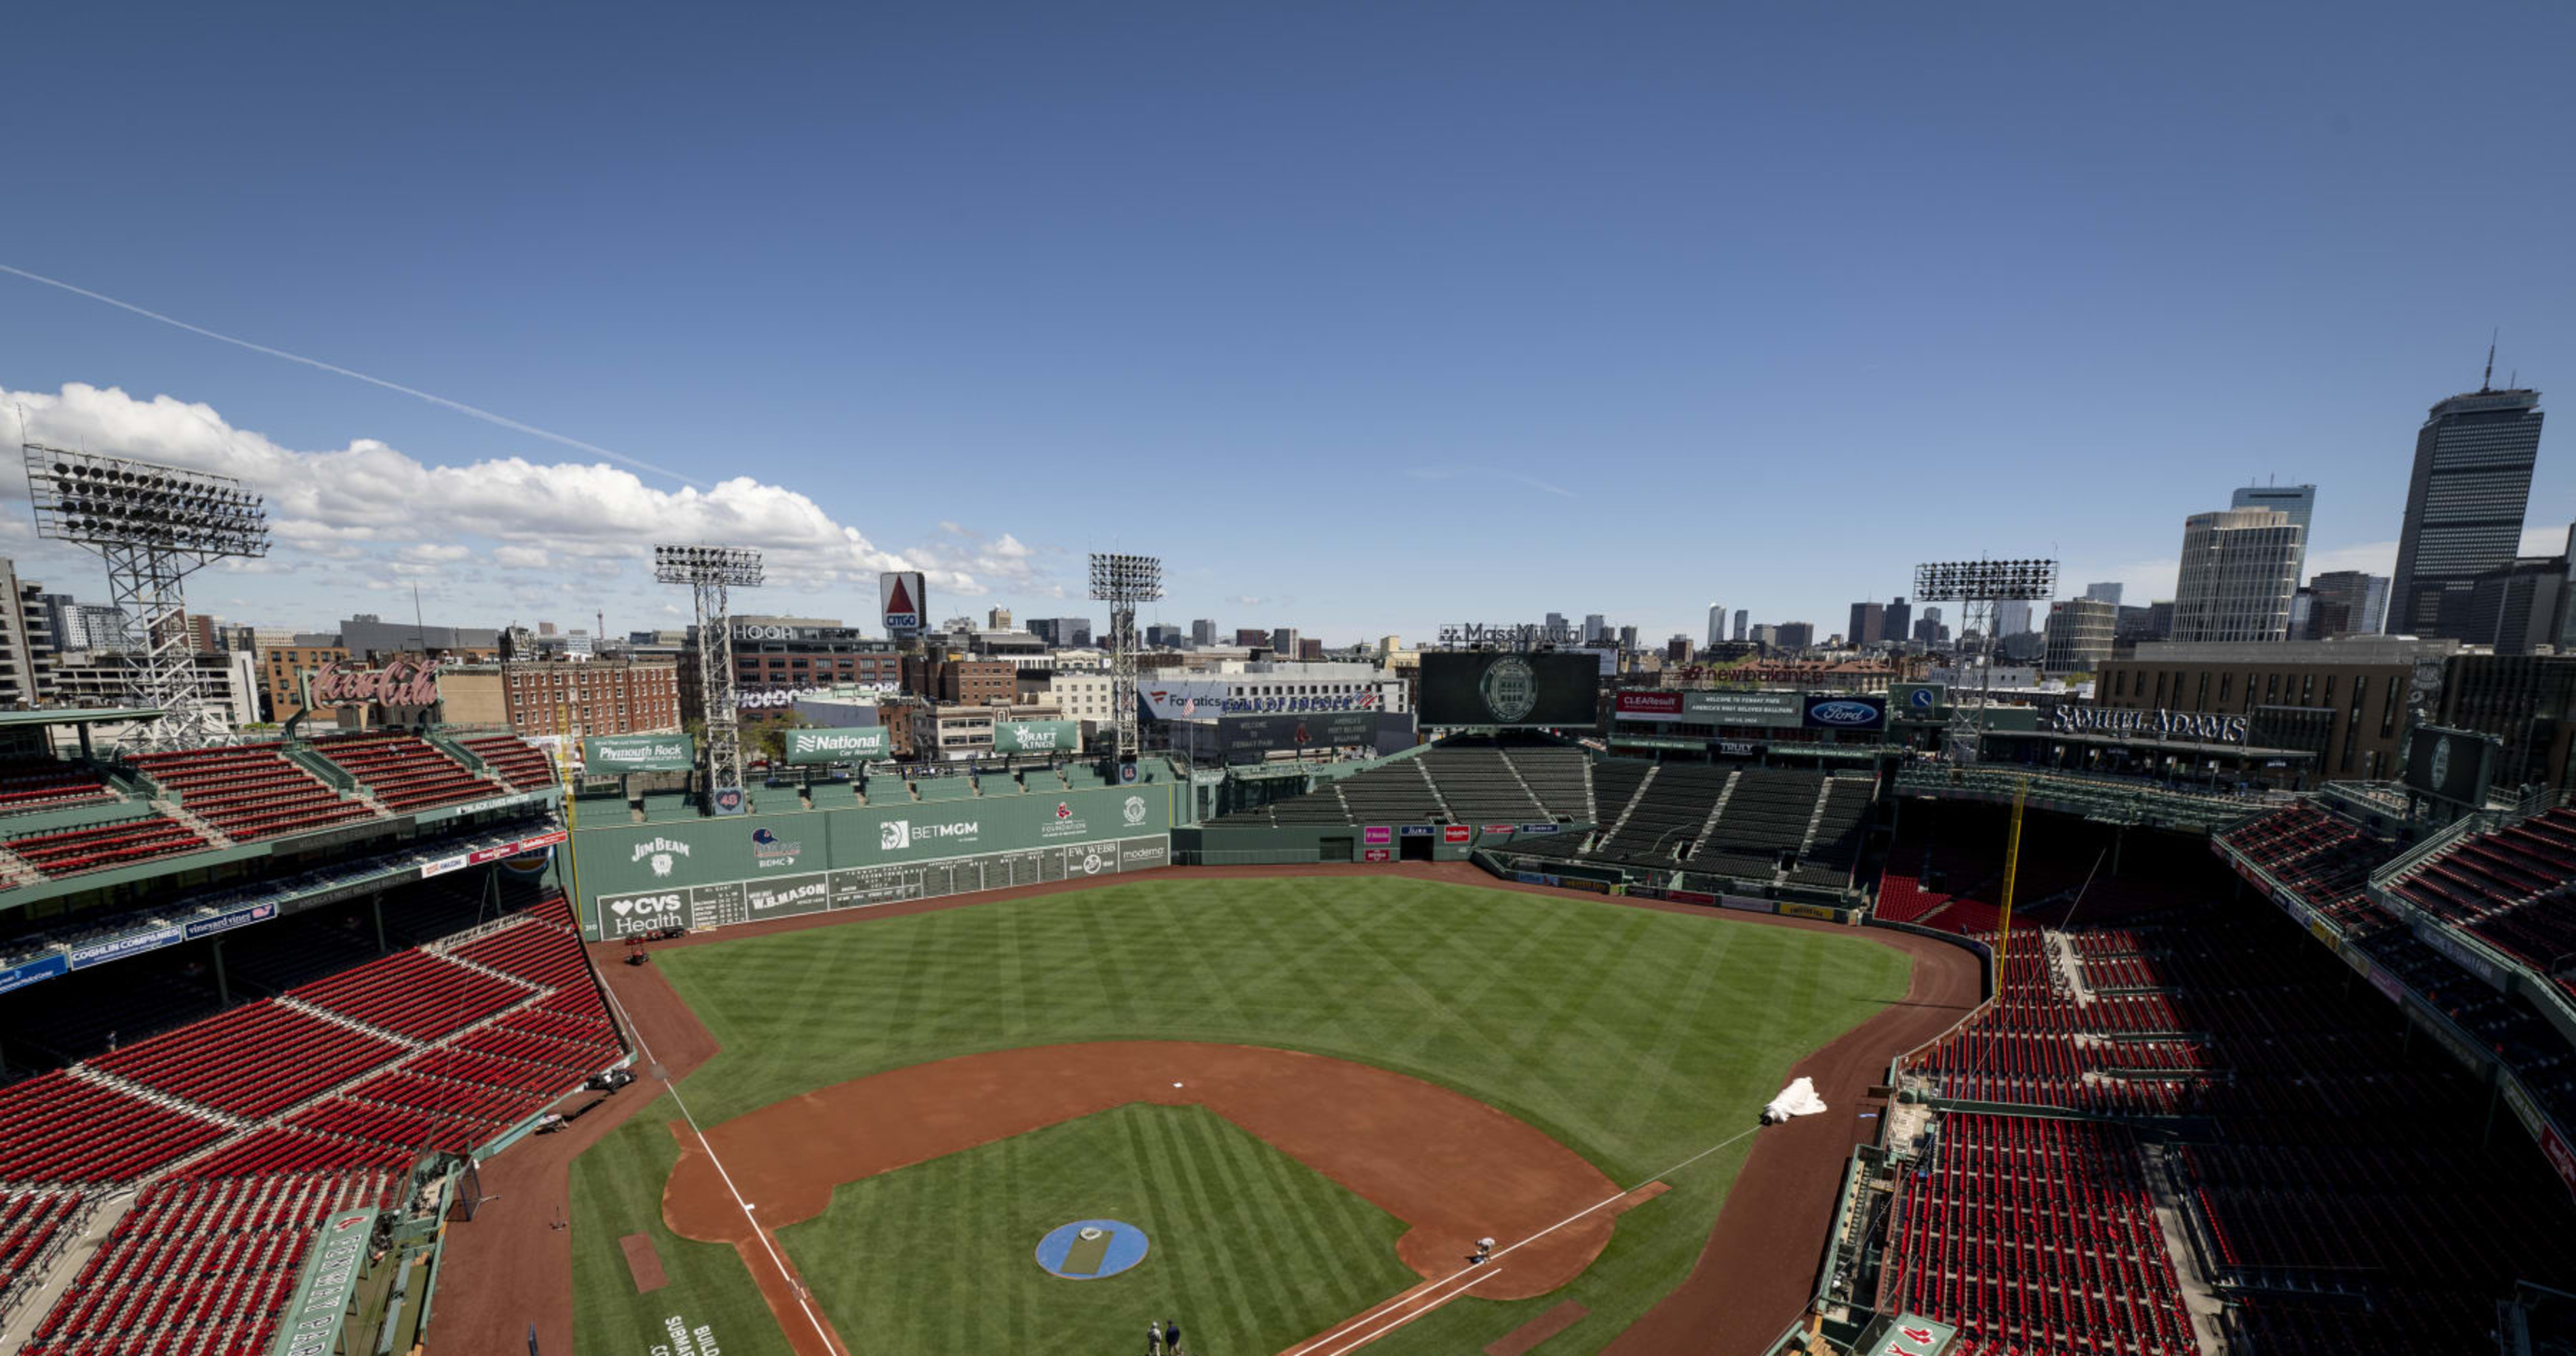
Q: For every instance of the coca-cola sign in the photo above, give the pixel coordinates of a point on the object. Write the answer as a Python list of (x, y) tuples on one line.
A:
[(401, 682)]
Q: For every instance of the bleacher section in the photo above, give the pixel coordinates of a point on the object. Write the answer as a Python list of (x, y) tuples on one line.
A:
[(201, 1266), (96, 847), (250, 791), (1661, 823), (1460, 781), (1744, 823), (2317, 1167), (2513, 888), (34, 1227), (403, 771), (49, 784), (2326, 859), (520, 765)]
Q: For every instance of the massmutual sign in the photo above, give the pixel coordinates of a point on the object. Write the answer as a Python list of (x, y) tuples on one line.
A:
[(2193, 727)]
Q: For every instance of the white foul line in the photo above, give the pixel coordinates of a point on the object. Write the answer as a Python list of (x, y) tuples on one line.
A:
[(1401, 1319), (1533, 1238), (673, 1087)]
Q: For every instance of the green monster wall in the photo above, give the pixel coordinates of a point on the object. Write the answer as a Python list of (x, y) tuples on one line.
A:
[(636, 878)]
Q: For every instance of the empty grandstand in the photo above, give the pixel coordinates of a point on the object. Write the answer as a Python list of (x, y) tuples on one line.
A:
[(2181, 1123), (247, 1127)]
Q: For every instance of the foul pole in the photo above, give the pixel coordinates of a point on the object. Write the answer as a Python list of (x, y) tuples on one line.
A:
[(2012, 870)]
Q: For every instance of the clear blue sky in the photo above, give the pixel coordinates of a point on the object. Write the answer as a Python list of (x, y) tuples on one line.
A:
[(1380, 315)]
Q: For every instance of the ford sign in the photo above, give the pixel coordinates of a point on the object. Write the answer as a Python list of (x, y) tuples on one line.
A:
[(1846, 713)]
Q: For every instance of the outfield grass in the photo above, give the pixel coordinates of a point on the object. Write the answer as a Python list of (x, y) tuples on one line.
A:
[(1637, 1037), (1247, 1243)]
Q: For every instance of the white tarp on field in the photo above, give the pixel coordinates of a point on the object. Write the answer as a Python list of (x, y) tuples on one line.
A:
[(1797, 1099)]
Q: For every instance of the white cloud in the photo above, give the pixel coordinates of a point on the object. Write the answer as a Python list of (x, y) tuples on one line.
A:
[(370, 502)]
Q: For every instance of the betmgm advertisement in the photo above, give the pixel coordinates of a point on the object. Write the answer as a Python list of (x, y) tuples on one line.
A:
[(1486, 687), (639, 879)]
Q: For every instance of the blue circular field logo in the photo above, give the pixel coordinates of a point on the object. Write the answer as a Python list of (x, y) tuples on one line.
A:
[(1089, 1249)]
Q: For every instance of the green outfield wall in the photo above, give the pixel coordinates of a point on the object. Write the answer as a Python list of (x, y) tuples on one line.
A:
[(637, 878)]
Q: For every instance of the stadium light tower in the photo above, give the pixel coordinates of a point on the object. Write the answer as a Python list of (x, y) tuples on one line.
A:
[(710, 571), (154, 526), (1978, 586), (1122, 582)]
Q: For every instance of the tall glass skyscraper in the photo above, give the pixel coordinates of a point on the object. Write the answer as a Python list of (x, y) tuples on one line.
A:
[(2464, 507), (2239, 569), (2298, 501)]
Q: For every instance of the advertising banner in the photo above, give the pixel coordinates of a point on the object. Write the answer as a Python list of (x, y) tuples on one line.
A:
[(1498, 830), (903, 598), (848, 744), (226, 922), (1749, 905), (25, 973), (1377, 855), (1810, 911), (1919, 700), (1838, 712), (1206, 698), (1648, 705), (1770, 710), (1037, 736), (1540, 828), (1457, 833), (1484, 687), (1377, 834), (713, 873), (118, 948), (787, 896), (2560, 1160), (608, 755), (1533, 878), (1320, 730), (2194, 727), (1418, 831), (311, 1324)]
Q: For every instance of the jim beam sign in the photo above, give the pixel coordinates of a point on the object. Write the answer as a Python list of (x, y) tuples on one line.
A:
[(401, 685)]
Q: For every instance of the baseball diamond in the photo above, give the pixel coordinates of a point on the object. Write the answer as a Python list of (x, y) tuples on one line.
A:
[(1313, 1092)]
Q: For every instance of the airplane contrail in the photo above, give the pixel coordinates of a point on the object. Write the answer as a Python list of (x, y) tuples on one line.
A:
[(414, 392)]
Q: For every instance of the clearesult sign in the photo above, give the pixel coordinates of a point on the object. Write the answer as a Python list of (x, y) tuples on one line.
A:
[(1649, 705), (852, 744), (614, 754), (1037, 736)]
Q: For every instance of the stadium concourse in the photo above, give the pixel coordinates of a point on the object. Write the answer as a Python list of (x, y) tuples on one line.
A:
[(262, 1006)]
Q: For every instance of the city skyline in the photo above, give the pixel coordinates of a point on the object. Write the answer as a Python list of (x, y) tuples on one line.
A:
[(1125, 335)]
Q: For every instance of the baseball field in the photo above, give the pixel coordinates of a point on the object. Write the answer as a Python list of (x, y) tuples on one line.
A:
[(1262, 1108)]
